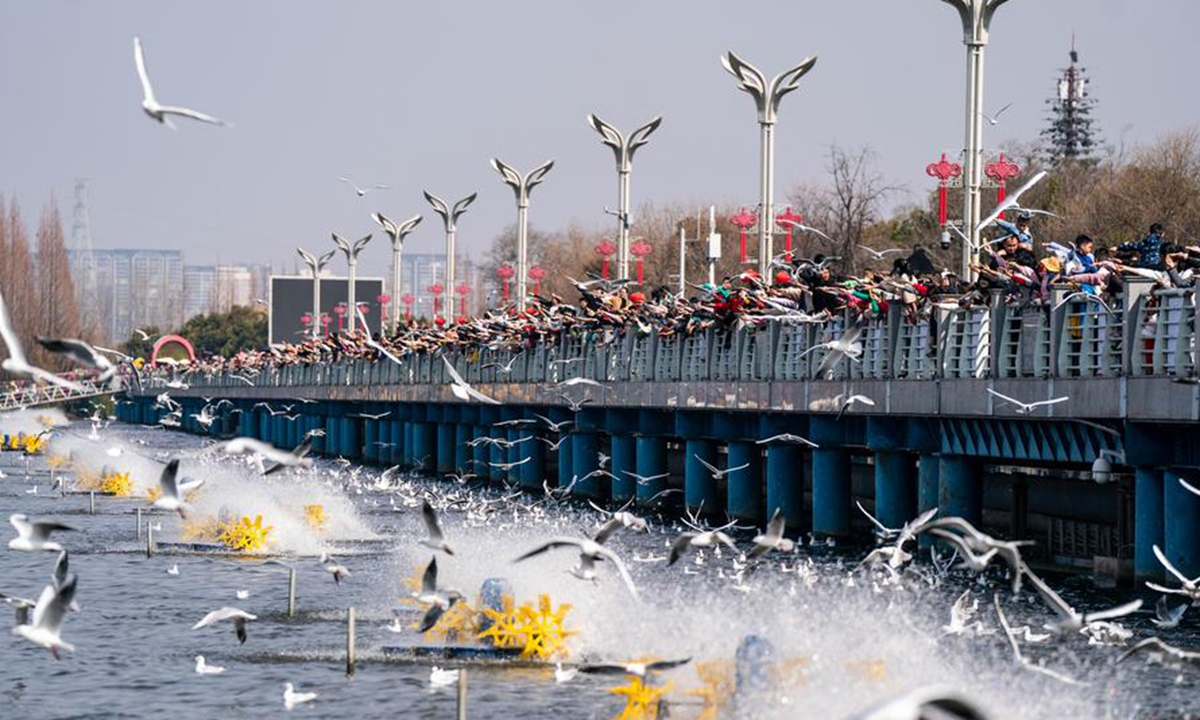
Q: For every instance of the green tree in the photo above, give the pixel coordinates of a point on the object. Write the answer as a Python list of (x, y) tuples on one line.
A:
[(242, 328), (143, 347)]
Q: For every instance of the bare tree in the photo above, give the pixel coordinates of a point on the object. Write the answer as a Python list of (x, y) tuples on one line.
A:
[(58, 311)]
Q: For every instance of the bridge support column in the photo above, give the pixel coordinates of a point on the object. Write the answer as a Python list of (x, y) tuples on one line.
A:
[(498, 454), (585, 456), (424, 442), (264, 427), (1181, 524), (1149, 494), (333, 431), (831, 491), (532, 473), (895, 487), (785, 484), (743, 489), (624, 458), (566, 460), (699, 486), (462, 451), (397, 434), (445, 448), (370, 450), (407, 444), (960, 489), (651, 461), (928, 467), (517, 452), (481, 453), (351, 443)]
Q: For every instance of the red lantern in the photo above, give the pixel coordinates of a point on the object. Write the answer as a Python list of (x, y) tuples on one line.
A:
[(306, 320), (408, 301), (506, 273), (325, 321), (944, 171), (1001, 171), (536, 274), (341, 310), (383, 299), (437, 291), (605, 249), (786, 220), (640, 249), (463, 289), (744, 221)]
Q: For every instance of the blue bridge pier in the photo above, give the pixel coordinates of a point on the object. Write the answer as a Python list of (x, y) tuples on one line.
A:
[(1092, 480)]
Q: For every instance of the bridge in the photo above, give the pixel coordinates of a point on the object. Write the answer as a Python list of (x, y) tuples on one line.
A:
[(32, 395), (1093, 479)]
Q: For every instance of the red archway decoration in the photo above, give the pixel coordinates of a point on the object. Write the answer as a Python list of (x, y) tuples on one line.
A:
[(169, 339)]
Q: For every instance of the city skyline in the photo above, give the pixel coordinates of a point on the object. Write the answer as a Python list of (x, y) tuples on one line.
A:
[(160, 189)]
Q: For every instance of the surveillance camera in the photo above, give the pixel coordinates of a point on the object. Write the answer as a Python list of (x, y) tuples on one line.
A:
[(945, 240), (1101, 470)]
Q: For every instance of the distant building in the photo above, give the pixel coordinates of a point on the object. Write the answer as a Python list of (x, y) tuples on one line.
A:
[(420, 270), (234, 287), (137, 288), (199, 289)]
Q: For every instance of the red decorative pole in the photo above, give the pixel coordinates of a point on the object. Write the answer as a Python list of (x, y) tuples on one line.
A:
[(744, 221), (536, 273), (408, 299), (340, 309), (1001, 171), (384, 300), (784, 220), (505, 272), (640, 249), (605, 249), (463, 289), (306, 320), (437, 289), (325, 321), (364, 309), (944, 171)]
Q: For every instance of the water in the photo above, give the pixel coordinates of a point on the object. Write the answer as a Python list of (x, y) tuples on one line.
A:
[(843, 647)]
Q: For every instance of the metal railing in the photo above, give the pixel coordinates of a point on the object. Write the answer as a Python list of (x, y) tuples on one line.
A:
[(1144, 332), (31, 395)]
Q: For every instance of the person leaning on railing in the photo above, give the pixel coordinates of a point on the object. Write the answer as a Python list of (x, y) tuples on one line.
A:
[(1181, 264)]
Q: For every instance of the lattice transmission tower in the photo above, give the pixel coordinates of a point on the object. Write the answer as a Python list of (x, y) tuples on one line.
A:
[(83, 259)]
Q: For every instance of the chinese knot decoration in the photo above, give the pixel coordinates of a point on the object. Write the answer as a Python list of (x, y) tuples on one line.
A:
[(640, 249), (787, 221), (605, 249), (408, 299), (944, 171), (536, 273), (463, 289), (744, 221), (437, 289), (506, 273), (1001, 171)]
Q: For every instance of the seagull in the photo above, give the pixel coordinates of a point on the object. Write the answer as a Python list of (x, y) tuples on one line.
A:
[(34, 535), (1165, 616), (1160, 650), (142, 333), (439, 601), (21, 606), (978, 548), (590, 550), (1027, 408), (852, 400), (436, 540), (160, 112), (961, 612), (1072, 620), (848, 345), (242, 594), (298, 455), (16, 362), (581, 381), (45, 626), (244, 445), (239, 618), (895, 554), (926, 703), (553, 426), (787, 438), (717, 473), (698, 539), (462, 390), (442, 678), (395, 627), (510, 465), (368, 416), (1190, 588), (1080, 295), (644, 479), (564, 675), (772, 539), (995, 119), (1011, 202), (502, 369), (334, 568), (804, 228), (173, 570), (203, 668), (637, 669), (80, 352), (880, 254), (291, 698), (174, 493), (575, 406), (362, 191)]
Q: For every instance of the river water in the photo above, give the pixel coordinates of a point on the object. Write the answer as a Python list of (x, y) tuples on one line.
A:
[(841, 642)]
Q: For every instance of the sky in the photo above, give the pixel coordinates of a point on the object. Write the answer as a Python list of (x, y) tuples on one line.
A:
[(422, 95)]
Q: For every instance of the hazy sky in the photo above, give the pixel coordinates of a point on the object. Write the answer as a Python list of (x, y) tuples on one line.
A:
[(422, 95)]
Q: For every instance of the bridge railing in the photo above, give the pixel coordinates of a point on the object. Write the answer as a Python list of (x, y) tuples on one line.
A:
[(1143, 332)]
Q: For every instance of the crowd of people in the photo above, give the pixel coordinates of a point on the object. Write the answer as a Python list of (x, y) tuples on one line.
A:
[(797, 290)]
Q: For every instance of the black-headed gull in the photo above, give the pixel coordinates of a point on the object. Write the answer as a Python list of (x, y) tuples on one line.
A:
[(239, 618), (45, 627), (151, 105), (34, 535)]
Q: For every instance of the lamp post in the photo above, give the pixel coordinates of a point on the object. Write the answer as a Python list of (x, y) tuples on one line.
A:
[(351, 252), (976, 16), (522, 187), (436, 290), (1001, 172), (450, 217), (408, 299), (944, 171), (605, 249), (787, 221), (396, 234), (766, 98), (463, 290), (640, 249), (505, 272), (316, 265), (536, 273), (623, 149), (743, 221)]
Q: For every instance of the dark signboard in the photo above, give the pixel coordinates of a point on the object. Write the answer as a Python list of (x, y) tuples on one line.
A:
[(292, 299)]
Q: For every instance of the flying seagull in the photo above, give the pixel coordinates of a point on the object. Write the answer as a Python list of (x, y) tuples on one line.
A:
[(1024, 408), (462, 390), (173, 492), (1190, 587), (16, 362), (852, 400), (590, 550), (439, 601), (804, 228), (239, 618), (80, 352), (45, 627), (637, 669), (32, 535), (772, 539), (995, 119), (1011, 202), (436, 540), (151, 105), (880, 254), (362, 191), (788, 438)]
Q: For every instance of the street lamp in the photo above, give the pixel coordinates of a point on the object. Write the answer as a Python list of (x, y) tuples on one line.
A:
[(976, 16), (351, 252), (623, 149), (396, 234), (522, 187), (766, 98), (316, 265), (450, 220)]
